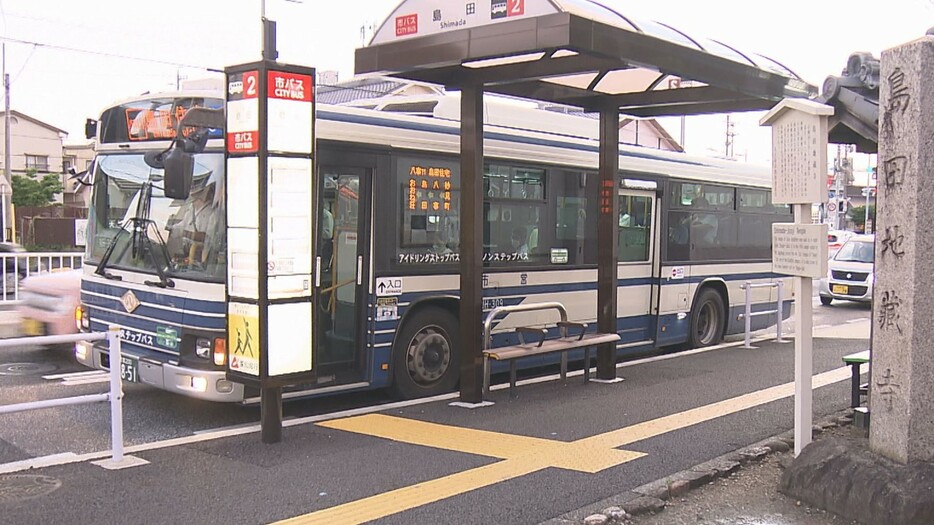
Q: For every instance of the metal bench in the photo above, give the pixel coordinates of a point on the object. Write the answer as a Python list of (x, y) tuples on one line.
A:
[(539, 343), (856, 390)]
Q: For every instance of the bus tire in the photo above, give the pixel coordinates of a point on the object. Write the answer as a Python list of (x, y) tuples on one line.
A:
[(707, 318), (426, 354)]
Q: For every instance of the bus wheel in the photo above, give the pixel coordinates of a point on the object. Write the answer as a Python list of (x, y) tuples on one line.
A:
[(426, 354), (707, 319)]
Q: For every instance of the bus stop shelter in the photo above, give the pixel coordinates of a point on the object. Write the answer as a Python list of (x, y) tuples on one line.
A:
[(574, 52)]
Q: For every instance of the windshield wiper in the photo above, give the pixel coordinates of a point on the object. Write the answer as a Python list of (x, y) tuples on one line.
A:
[(141, 242), (102, 267)]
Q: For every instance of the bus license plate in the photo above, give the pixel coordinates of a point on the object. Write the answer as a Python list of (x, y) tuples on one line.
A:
[(129, 369), (839, 288)]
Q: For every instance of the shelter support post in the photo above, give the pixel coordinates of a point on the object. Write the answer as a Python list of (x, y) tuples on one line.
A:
[(607, 239), (271, 415), (471, 245)]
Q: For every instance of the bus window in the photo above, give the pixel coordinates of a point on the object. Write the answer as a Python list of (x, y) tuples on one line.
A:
[(635, 228), (430, 219)]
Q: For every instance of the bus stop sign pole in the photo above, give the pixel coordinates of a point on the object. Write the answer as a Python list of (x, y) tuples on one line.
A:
[(270, 223)]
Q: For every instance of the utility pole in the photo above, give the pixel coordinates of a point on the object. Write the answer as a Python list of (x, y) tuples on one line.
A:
[(728, 150), (7, 203)]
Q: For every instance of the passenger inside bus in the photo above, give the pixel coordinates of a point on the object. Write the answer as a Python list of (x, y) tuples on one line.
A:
[(520, 237)]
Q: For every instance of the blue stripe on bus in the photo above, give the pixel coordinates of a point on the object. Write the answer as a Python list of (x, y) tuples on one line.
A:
[(529, 290), (175, 301), (181, 315), (490, 135)]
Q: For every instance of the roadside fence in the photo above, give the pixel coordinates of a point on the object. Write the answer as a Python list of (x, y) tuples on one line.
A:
[(16, 266), (748, 314), (115, 396)]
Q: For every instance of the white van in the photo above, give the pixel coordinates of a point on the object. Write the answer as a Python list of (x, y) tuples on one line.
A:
[(850, 271)]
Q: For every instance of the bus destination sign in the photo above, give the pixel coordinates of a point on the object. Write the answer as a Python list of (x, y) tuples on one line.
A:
[(429, 189)]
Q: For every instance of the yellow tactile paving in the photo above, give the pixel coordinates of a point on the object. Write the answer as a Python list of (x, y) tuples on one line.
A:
[(573, 456), (521, 455), (470, 441), (662, 425), (387, 503)]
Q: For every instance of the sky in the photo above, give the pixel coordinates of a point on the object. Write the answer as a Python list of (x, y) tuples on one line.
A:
[(68, 60)]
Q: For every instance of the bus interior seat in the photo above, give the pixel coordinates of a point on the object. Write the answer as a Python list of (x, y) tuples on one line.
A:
[(533, 240)]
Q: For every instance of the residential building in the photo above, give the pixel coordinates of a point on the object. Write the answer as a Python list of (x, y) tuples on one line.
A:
[(76, 159), (38, 146)]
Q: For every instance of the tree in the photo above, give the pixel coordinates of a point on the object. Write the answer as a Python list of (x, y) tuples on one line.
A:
[(857, 214), (30, 191)]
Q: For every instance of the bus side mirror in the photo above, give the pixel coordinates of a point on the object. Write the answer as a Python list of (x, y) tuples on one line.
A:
[(90, 129), (179, 169)]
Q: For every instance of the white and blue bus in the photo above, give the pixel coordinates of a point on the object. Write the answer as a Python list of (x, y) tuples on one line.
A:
[(691, 232)]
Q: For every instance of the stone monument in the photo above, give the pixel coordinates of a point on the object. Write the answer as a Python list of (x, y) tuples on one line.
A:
[(889, 478), (902, 360)]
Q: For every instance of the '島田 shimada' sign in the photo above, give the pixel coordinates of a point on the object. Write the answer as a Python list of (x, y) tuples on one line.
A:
[(799, 249)]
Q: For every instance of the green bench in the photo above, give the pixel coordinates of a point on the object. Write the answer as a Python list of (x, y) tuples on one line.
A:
[(856, 390)]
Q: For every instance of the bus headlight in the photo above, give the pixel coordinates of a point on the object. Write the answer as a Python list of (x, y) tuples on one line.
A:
[(203, 348), (220, 351)]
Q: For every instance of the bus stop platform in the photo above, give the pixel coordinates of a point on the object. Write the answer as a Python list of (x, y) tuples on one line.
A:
[(554, 451)]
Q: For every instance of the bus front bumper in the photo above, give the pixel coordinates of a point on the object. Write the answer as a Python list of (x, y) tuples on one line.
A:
[(210, 385)]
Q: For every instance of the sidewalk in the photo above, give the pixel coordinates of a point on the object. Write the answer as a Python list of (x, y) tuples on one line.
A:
[(745, 494)]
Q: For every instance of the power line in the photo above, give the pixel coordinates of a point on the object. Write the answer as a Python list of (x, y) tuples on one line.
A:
[(108, 55)]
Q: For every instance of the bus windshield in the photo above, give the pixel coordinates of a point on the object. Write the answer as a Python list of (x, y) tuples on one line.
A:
[(191, 231)]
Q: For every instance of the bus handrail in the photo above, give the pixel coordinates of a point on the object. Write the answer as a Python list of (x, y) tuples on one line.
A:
[(529, 307)]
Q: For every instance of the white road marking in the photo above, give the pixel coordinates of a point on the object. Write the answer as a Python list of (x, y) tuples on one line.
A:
[(74, 374), (80, 378)]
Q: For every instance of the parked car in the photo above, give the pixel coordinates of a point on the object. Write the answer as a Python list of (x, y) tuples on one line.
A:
[(48, 301), (850, 272), (836, 239)]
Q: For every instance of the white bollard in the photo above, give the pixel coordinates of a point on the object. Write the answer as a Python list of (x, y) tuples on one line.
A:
[(116, 395), (781, 312), (747, 316)]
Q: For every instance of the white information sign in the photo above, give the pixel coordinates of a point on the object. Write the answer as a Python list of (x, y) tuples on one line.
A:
[(81, 232), (290, 338), (799, 249), (799, 151), (430, 17), (388, 286), (289, 232)]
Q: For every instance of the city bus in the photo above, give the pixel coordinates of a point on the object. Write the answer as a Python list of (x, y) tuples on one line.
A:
[(692, 230)]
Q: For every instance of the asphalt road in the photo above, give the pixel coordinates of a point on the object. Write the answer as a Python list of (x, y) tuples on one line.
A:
[(33, 373), (320, 467)]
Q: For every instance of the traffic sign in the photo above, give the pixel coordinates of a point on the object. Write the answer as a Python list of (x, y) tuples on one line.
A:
[(832, 206)]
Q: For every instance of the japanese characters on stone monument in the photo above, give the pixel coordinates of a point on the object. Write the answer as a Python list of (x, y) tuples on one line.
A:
[(902, 386)]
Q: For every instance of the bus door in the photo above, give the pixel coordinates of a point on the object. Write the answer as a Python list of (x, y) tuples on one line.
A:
[(638, 268), (341, 264)]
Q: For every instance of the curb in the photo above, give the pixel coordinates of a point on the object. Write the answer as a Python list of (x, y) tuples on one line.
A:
[(653, 497)]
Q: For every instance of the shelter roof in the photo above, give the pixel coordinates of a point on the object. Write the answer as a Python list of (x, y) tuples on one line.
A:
[(575, 52)]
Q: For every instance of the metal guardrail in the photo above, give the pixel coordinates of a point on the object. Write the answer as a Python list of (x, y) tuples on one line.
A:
[(748, 313), (16, 266), (115, 396)]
